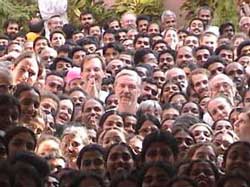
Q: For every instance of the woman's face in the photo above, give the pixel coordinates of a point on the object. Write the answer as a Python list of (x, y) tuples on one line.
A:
[(223, 125), (155, 176), (93, 161), (168, 91), (178, 101), (90, 181), (26, 71), (205, 153), (238, 159), (201, 134), (129, 124), (147, 128), (203, 174), (113, 136), (191, 108), (113, 121), (222, 141), (184, 142), (159, 151), (30, 102), (21, 142), (119, 159)]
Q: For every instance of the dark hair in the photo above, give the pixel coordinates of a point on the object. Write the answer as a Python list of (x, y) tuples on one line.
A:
[(116, 46), (159, 136), (243, 143), (82, 176), (76, 49), (11, 101), (204, 47), (96, 99), (92, 147), (10, 133), (123, 145), (10, 21), (182, 178), (28, 158), (213, 59), (140, 53), (25, 87), (186, 121), (105, 116), (123, 176), (142, 118), (241, 46), (40, 38), (142, 35), (142, 17), (148, 67), (231, 176), (26, 170), (224, 26), (169, 169), (213, 167), (223, 47)]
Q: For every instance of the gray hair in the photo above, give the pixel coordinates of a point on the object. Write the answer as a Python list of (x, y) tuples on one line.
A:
[(80, 131), (167, 13)]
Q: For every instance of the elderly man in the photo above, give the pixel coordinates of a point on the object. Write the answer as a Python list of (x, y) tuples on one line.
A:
[(127, 89), (178, 76), (221, 84)]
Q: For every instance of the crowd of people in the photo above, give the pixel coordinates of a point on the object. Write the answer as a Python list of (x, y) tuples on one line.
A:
[(132, 102)]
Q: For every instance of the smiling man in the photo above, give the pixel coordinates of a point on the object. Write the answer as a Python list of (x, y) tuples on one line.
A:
[(127, 89)]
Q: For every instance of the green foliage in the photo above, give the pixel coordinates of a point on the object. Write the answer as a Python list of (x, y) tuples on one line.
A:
[(75, 7), (22, 10), (223, 10), (153, 8)]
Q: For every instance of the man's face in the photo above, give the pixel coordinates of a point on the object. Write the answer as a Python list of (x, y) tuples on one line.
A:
[(179, 77), (114, 25), (111, 54), (205, 16), (219, 109), (191, 41), (169, 22), (149, 91), (47, 57), (228, 31), (127, 89), (142, 42), (86, 20), (222, 87), (12, 29), (92, 113), (77, 36), (114, 66), (108, 38), (71, 145), (196, 27), (128, 21), (142, 26), (184, 57), (54, 84), (201, 56), (166, 61), (63, 66), (237, 73), (49, 106), (245, 24), (65, 112), (95, 31), (57, 40), (93, 71), (55, 23), (40, 44), (78, 58), (226, 55), (209, 41), (160, 78), (216, 68), (153, 28), (200, 84), (245, 50), (244, 61), (90, 48)]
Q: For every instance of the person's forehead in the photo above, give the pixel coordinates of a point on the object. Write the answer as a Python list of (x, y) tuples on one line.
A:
[(196, 21), (176, 72), (204, 12), (234, 65), (185, 49)]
